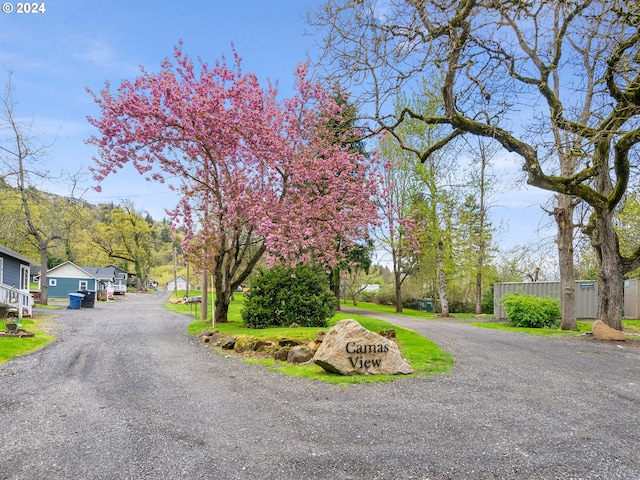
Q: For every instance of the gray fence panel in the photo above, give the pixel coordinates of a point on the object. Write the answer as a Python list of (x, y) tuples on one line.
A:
[(631, 299), (586, 295)]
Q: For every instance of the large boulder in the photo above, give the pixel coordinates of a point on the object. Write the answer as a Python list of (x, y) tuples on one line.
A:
[(602, 331), (348, 348)]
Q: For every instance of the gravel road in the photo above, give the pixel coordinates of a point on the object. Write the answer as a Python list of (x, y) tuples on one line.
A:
[(125, 393)]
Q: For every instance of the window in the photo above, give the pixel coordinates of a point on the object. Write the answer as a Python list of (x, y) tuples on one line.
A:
[(1, 268), (53, 282), (83, 285)]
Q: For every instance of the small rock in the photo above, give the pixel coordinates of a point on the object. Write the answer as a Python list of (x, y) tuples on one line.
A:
[(228, 343), (299, 354), (281, 354), (390, 334), (261, 345)]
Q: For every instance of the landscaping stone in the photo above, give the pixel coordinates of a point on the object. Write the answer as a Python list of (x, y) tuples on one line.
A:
[(228, 343), (299, 354), (348, 348), (390, 334), (602, 331), (281, 354), (19, 333)]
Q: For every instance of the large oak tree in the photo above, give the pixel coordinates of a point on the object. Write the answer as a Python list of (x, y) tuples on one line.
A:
[(520, 73)]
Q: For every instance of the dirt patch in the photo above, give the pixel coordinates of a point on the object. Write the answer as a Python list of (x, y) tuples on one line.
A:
[(633, 342)]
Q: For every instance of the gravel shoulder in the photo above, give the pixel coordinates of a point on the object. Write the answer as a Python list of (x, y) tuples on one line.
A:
[(125, 393)]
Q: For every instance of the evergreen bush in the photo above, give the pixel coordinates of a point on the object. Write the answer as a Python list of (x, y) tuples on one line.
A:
[(525, 310), (487, 301), (281, 296)]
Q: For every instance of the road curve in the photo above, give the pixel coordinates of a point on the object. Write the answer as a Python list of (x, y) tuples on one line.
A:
[(125, 393)]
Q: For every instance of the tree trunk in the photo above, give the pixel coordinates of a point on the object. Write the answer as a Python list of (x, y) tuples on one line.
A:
[(222, 287), (478, 292), (223, 299), (563, 215), (442, 281), (334, 285), (44, 287), (204, 308), (604, 240), (397, 275), (398, 285)]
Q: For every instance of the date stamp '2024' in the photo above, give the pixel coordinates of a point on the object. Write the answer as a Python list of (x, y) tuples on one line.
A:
[(24, 8)]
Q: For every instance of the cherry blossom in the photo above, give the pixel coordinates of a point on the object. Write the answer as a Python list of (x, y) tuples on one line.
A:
[(258, 175)]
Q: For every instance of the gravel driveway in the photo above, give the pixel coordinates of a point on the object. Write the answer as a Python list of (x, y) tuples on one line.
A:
[(125, 393)]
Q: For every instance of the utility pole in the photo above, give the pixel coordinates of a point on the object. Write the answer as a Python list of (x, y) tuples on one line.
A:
[(175, 271)]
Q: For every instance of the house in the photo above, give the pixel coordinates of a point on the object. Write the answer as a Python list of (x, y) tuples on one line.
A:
[(111, 277), (68, 278), (14, 283), (181, 284)]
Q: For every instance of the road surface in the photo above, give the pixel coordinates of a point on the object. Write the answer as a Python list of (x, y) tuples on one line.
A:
[(125, 393)]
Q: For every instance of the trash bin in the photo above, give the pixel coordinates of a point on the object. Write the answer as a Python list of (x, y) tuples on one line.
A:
[(89, 299), (75, 300), (425, 305)]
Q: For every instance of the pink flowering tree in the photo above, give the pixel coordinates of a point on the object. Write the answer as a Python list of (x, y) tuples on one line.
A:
[(258, 176)]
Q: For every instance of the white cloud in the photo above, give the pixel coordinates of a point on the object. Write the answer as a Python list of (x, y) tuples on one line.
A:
[(100, 53)]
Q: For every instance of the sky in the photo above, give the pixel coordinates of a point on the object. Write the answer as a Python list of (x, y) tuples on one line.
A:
[(55, 55)]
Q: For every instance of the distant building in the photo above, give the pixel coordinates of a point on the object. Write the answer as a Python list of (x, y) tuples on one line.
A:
[(181, 285), (371, 287)]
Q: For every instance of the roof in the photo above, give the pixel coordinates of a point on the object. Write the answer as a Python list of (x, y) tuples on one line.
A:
[(109, 272), (74, 265), (179, 279), (118, 269), (16, 255)]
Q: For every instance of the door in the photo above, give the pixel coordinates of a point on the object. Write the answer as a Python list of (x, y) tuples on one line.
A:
[(24, 277)]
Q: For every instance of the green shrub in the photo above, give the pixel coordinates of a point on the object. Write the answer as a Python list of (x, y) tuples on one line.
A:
[(281, 296), (530, 311), (487, 301), (460, 306)]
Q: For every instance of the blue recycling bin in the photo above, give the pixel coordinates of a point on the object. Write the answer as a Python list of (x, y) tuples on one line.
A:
[(75, 300)]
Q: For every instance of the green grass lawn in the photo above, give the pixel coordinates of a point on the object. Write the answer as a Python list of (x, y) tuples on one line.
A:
[(422, 354), (405, 311), (630, 326), (11, 347)]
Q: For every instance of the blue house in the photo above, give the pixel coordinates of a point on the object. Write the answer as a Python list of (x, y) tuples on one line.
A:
[(14, 283), (111, 278), (68, 278)]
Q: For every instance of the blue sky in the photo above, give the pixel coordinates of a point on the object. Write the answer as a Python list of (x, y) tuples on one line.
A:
[(76, 44)]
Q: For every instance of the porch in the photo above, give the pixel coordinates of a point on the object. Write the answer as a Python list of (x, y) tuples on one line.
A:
[(15, 301)]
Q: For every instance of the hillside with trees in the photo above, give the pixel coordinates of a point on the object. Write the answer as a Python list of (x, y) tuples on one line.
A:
[(93, 235)]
